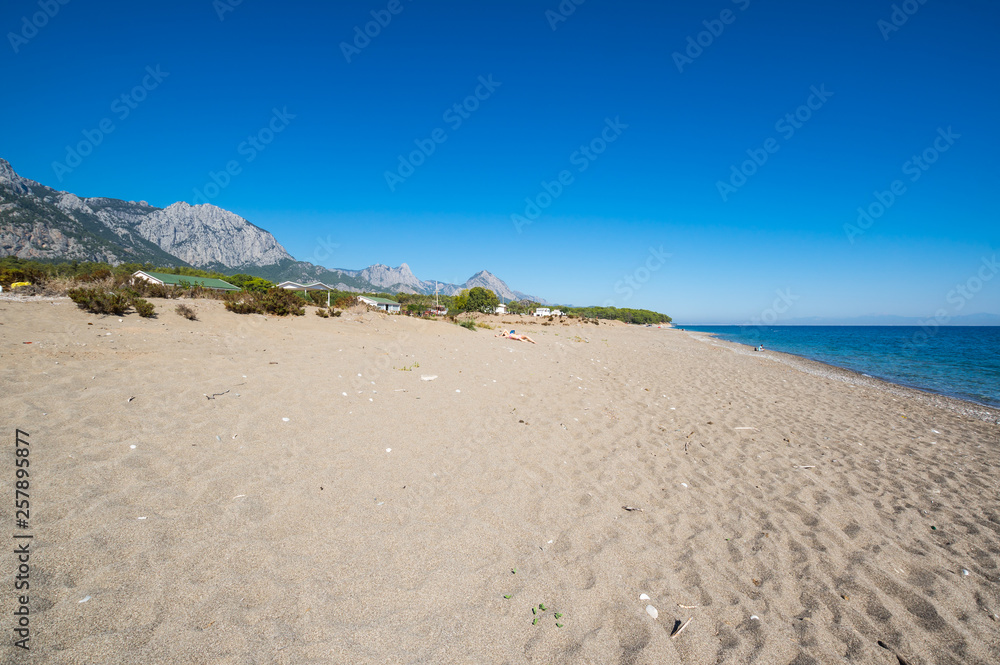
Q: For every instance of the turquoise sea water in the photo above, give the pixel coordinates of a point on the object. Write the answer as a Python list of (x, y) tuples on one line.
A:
[(961, 362)]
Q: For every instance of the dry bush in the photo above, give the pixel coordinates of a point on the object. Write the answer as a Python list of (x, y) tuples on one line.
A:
[(186, 312)]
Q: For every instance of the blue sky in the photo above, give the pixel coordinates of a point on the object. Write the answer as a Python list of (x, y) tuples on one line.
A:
[(310, 129)]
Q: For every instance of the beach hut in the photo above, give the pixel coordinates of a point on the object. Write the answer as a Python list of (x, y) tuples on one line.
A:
[(305, 288), (166, 279), (501, 309), (390, 306)]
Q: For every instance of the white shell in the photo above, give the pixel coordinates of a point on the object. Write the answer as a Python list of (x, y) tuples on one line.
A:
[(428, 377), (651, 611), (643, 597)]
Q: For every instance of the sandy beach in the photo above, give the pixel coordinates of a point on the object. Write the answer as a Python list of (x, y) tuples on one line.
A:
[(250, 489)]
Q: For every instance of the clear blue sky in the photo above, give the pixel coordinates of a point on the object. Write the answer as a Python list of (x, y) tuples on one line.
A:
[(322, 178)]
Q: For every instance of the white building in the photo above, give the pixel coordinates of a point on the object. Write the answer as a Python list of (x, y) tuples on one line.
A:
[(390, 306), (543, 311), (557, 312), (501, 309)]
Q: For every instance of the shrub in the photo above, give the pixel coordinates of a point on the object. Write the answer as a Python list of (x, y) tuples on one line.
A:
[(279, 302), (186, 312), (322, 313), (335, 312), (98, 301), (468, 325), (345, 302), (145, 308)]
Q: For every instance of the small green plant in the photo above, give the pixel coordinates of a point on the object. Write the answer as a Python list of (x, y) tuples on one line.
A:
[(322, 313), (408, 368), (186, 312), (145, 308), (468, 325)]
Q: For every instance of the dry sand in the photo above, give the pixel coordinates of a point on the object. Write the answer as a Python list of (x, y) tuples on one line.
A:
[(797, 518)]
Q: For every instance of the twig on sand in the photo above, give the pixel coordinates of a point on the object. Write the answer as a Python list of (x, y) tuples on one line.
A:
[(214, 395), (687, 607), (805, 467), (682, 627), (630, 508)]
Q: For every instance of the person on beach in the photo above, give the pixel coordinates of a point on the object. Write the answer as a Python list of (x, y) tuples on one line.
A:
[(512, 335)]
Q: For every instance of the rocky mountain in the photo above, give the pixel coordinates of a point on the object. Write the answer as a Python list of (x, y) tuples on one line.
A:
[(38, 222)]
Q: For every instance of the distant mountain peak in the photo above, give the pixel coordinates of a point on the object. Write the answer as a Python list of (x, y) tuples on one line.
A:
[(39, 222)]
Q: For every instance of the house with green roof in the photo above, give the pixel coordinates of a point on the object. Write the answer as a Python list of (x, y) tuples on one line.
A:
[(166, 279), (390, 306)]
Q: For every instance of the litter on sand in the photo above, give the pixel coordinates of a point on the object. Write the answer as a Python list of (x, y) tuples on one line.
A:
[(651, 611), (630, 508), (678, 627), (428, 377)]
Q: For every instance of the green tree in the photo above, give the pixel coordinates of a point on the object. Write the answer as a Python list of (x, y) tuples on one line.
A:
[(481, 300)]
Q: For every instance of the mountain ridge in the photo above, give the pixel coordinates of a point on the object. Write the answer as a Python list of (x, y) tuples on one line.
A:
[(39, 222)]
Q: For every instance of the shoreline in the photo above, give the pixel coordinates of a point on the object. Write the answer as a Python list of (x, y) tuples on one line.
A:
[(984, 412)]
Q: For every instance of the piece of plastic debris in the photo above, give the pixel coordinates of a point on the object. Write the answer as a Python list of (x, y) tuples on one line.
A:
[(651, 611), (285, 419), (140, 518), (132, 446), (507, 596), (428, 377), (965, 572), (85, 599), (643, 597)]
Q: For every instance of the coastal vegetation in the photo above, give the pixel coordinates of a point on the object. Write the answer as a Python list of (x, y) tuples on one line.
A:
[(260, 295), (117, 302)]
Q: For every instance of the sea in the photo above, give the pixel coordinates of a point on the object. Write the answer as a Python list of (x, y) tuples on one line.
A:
[(957, 361)]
